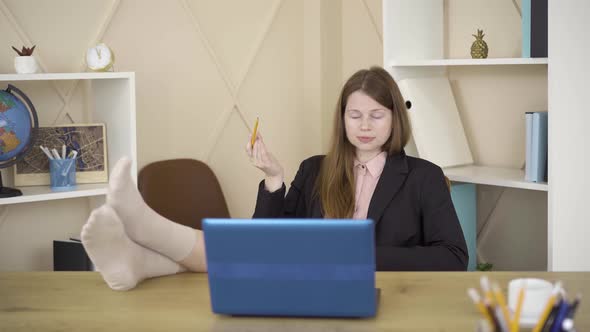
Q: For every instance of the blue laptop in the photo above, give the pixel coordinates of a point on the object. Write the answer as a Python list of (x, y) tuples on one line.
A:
[(291, 267)]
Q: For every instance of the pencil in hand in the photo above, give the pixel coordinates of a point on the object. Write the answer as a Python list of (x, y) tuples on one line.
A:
[(254, 133)]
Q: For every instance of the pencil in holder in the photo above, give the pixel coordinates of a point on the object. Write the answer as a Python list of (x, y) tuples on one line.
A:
[(63, 174)]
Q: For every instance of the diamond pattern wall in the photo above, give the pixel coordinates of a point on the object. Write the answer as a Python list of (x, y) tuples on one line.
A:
[(205, 69)]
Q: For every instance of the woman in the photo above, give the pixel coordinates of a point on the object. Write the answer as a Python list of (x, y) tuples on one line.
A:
[(366, 174)]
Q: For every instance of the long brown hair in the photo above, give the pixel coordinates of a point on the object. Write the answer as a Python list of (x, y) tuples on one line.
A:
[(335, 183)]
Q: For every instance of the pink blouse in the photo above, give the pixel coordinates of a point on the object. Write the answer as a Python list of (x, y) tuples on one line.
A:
[(366, 175)]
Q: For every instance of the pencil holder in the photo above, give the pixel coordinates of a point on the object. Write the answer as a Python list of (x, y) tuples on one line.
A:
[(484, 326), (63, 174)]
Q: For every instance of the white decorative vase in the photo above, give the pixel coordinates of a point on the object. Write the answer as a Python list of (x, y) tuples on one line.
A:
[(25, 64)]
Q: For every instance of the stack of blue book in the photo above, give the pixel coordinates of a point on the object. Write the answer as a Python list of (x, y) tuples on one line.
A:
[(534, 28), (536, 147)]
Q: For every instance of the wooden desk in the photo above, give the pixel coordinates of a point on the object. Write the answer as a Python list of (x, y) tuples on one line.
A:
[(78, 301)]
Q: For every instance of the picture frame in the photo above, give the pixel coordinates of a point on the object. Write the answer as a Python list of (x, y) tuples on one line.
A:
[(91, 161)]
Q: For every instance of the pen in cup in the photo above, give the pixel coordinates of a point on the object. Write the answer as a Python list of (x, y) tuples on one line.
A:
[(548, 307), (46, 151), (55, 154), (479, 303), (487, 289), (568, 322), (499, 297), (73, 153), (516, 319)]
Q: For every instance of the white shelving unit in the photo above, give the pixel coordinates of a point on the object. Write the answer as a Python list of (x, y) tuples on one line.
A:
[(44, 193), (468, 62), (112, 102), (65, 76), (493, 176), (413, 47), (568, 214), (420, 54)]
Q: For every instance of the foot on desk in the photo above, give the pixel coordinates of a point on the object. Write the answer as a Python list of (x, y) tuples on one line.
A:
[(142, 224), (121, 262)]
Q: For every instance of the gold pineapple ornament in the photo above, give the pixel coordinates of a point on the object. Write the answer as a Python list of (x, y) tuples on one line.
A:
[(479, 48)]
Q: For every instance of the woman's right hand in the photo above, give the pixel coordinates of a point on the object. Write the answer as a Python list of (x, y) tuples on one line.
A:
[(262, 159)]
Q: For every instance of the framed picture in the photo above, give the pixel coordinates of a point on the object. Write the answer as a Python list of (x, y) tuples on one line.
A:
[(91, 162)]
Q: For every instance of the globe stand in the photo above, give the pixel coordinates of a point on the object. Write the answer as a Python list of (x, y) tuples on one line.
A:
[(7, 191)]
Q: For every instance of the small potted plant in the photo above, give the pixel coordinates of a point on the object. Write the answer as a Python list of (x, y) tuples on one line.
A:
[(25, 63)]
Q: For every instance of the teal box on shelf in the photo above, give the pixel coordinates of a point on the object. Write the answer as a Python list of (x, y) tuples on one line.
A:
[(464, 196), (63, 174)]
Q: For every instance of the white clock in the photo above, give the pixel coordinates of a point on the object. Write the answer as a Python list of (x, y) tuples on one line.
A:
[(100, 58)]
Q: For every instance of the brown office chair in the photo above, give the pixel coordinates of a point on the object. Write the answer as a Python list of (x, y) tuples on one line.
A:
[(182, 190)]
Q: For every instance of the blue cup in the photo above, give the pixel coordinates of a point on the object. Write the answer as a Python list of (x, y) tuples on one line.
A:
[(63, 174)]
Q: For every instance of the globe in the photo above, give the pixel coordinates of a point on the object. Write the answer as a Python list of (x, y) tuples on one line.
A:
[(18, 129)]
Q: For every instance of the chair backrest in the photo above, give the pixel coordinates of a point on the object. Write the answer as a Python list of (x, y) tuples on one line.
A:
[(182, 190)]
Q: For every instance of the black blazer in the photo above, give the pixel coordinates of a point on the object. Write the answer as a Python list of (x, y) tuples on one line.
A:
[(416, 226)]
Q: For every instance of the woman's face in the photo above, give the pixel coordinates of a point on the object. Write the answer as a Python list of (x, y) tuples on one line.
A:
[(367, 124)]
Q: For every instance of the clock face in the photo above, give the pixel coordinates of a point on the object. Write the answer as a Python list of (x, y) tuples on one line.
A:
[(99, 57)]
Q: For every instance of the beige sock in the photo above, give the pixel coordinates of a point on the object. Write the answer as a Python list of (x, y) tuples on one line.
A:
[(142, 224), (121, 262)]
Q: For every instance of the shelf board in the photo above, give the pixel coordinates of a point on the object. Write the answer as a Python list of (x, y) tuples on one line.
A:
[(494, 176), (469, 62), (65, 76), (44, 193)]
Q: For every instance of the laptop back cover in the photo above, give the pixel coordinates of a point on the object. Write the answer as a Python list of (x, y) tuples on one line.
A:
[(291, 267)]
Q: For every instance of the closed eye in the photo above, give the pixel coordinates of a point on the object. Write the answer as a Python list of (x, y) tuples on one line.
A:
[(377, 115), (354, 114)]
